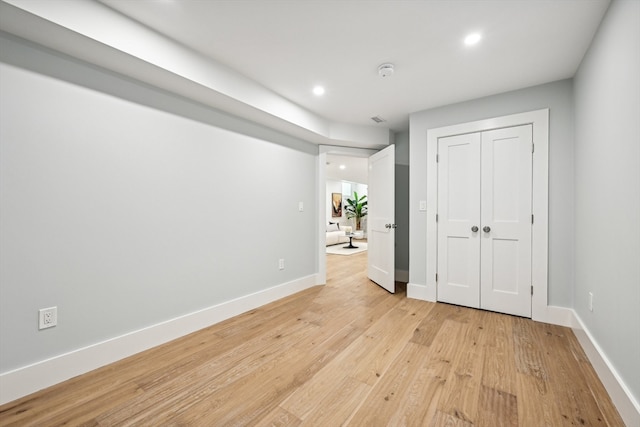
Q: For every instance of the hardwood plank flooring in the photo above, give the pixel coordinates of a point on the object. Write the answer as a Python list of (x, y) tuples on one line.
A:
[(348, 353)]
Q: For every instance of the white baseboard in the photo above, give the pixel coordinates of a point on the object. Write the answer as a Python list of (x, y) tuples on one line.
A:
[(626, 404), (29, 379), (555, 315)]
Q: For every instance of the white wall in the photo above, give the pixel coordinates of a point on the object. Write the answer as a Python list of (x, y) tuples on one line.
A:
[(557, 97), (337, 187), (607, 196), (127, 214), (334, 187)]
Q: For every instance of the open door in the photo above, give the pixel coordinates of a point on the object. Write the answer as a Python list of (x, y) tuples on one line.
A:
[(381, 223)]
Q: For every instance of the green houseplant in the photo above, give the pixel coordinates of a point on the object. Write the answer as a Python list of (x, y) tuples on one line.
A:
[(356, 208)]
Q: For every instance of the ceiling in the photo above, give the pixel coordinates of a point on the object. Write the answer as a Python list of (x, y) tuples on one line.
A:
[(289, 46), (259, 59), (356, 169)]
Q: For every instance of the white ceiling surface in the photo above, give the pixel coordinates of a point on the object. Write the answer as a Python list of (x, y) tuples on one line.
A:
[(290, 46), (259, 59), (356, 169)]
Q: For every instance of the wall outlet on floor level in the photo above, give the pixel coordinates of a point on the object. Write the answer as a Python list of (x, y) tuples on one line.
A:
[(281, 264), (47, 317), (590, 301)]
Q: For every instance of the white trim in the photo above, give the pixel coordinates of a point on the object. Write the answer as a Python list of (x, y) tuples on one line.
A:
[(557, 316), (620, 394), (347, 151), (539, 119), (29, 379)]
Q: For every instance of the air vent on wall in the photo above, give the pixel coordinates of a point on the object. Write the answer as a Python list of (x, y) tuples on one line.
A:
[(378, 119)]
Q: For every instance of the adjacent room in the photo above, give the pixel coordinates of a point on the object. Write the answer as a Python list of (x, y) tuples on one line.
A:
[(279, 212), (347, 179)]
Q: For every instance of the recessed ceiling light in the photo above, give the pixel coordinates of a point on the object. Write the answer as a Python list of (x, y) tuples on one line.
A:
[(472, 39), (343, 167), (318, 90)]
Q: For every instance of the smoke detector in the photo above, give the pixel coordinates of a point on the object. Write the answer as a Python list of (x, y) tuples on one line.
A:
[(385, 70)]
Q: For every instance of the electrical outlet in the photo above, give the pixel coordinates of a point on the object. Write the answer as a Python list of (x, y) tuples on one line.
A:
[(48, 317), (590, 301), (281, 263)]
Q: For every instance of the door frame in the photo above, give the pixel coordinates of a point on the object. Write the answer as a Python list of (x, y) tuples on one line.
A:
[(539, 119), (321, 174)]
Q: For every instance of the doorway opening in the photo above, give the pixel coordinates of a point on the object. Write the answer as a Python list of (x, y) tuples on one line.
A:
[(377, 230), (346, 190)]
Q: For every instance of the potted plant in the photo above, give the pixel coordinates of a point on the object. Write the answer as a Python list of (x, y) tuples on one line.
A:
[(356, 208)]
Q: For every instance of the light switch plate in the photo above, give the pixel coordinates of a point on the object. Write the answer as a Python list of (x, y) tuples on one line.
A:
[(423, 205)]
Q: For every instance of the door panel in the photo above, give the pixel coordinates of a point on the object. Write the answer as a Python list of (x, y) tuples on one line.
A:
[(504, 180), (504, 266), (381, 223), (458, 212)]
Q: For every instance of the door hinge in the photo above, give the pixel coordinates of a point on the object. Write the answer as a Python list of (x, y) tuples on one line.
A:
[(436, 217), (531, 289), (531, 218), (436, 277), (533, 147), (437, 158)]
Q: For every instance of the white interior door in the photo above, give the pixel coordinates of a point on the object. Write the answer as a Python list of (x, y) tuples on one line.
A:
[(506, 220), (484, 220), (458, 217), (381, 223)]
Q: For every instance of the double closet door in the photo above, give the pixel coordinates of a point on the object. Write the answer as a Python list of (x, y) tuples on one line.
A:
[(485, 220)]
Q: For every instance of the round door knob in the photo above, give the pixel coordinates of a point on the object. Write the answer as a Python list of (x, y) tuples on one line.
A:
[(474, 228), (486, 229)]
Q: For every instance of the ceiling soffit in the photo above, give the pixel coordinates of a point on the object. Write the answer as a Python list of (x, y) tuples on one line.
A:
[(84, 30)]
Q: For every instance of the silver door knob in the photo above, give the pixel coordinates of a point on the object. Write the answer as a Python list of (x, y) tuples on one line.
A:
[(474, 228), (486, 229)]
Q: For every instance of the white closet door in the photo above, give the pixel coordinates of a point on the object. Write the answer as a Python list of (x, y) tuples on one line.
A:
[(458, 213), (506, 177)]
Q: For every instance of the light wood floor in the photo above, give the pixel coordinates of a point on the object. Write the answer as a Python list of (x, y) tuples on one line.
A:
[(347, 353)]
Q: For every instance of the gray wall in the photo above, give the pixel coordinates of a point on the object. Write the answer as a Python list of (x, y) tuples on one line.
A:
[(125, 207), (607, 199), (557, 97), (402, 201)]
